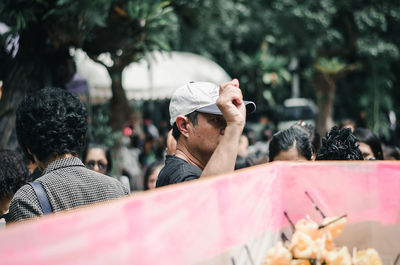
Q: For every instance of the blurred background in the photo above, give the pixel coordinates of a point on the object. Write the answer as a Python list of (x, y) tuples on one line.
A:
[(325, 62)]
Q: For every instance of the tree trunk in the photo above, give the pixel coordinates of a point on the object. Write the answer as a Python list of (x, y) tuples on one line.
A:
[(324, 86), (119, 106), (35, 65), (22, 76), (119, 113)]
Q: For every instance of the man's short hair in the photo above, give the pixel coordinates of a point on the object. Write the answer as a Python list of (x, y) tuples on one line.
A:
[(14, 173), (51, 122), (339, 145), (192, 118)]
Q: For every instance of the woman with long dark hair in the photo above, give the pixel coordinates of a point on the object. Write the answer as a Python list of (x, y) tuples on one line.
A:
[(370, 145)]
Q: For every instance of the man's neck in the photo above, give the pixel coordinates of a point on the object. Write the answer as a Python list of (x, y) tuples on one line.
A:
[(43, 164), (183, 153)]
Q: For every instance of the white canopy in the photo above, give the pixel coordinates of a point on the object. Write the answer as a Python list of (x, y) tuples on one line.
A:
[(155, 77)]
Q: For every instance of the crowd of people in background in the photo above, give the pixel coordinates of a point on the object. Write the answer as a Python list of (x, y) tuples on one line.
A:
[(151, 156), (300, 142)]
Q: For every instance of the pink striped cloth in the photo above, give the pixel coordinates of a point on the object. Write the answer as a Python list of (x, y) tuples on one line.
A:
[(195, 222)]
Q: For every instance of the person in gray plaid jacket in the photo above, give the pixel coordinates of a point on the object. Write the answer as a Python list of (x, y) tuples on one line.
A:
[(51, 126)]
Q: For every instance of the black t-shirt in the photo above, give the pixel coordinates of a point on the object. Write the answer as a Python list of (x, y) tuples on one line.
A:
[(177, 170)]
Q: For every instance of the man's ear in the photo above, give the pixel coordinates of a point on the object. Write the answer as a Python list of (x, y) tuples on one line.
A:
[(182, 123)]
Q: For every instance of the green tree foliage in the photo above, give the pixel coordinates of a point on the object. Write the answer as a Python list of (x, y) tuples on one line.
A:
[(125, 29), (348, 50), (352, 40), (345, 43), (100, 131)]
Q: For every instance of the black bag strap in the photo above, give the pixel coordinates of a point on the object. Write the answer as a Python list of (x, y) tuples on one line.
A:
[(42, 197)]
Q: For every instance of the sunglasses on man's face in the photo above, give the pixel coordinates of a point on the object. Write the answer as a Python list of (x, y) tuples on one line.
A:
[(91, 164)]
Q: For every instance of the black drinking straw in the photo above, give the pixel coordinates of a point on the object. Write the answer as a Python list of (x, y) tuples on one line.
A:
[(249, 254), (233, 261), (290, 221), (315, 205), (284, 237), (333, 221), (397, 259)]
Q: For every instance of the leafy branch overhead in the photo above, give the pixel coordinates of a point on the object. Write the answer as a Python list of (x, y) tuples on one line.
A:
[(125, 30), (97, 26), (347, 48)]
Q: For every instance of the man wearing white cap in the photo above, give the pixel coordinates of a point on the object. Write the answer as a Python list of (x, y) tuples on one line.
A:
[(207, 121)]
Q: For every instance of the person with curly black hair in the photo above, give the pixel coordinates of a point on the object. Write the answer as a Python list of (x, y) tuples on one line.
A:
[(51, 126), (13, 175), (339, 145), (369, 144), (291, 144)]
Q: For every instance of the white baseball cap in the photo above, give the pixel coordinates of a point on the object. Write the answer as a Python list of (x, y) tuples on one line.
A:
[(198, 96)]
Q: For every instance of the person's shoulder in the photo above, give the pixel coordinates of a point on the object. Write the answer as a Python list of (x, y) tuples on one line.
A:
[(177, 170), (25, 192), (24, 205), (174, 160), (173, 163), (76, 175), (109, 181), (118, 184), (180, 164)]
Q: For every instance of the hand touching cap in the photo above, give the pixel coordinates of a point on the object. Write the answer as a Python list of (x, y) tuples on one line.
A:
[(230, 102)]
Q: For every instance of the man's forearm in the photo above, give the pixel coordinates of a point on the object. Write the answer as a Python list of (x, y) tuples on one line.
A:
[(224, 157)]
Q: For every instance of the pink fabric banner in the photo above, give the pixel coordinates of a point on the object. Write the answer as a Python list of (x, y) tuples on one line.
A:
[(197, 221)]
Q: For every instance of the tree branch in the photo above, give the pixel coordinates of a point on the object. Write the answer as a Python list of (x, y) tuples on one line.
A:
[(350, 68), (94, 58)]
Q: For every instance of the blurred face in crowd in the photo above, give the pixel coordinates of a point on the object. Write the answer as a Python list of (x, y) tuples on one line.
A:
[(243, 145), (96, 160), (148, 147), (151, 183), (290, 155), (205, 136), (366, 151)]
